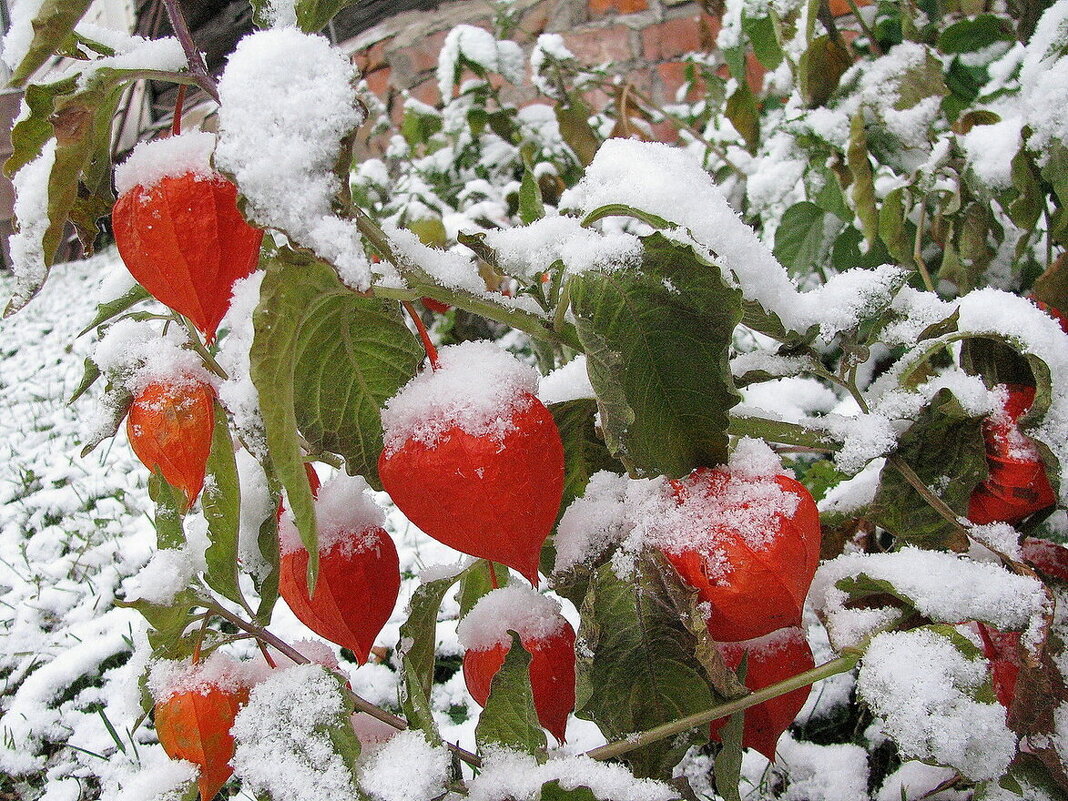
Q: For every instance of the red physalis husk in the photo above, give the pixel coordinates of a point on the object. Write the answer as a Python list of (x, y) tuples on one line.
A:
[(1048, 558), (492, 498), (195, 726), (1001, 648), (185, 241), (359, 570), (170, 426), (764, 588), (1055, 313), (769, 660), (552, 675), (1017, 484)]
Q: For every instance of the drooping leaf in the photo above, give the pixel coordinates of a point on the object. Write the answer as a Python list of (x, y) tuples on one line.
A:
[(895, 230), (168, 624), (975, 33), (552, 791), (657, 339), (820, 68), (221, 501), (418, 638), (113, 308), (52, 27), (170, 503), (531, 207), (509, 717), (324, 361), (312, 15), (862, 192), (30, 133), (799, 239), (744, 115), (728, 764), (584, 451), (89, 376), (638, 668), (573, 117), (945, 449), (761, 33)]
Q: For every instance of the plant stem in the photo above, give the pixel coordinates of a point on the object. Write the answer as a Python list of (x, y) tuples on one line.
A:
[(361, 704), (635, 741), (176, 123), (933, 500), (428, 346), (198, 346), (197, 66)]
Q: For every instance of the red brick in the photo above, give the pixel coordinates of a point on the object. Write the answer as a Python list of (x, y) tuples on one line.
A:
[(371, 58), (672, 77), (672, 39), (378, 81), (426, 92), (710, 27), (754, 72), (665, 132), (423, 55), (617, 6), (601, 44)]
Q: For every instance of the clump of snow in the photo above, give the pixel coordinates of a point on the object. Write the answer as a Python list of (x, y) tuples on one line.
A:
[(922, 687), (854, 493), (287, 101), (477, 46), (826, 772), (159, 779), (672, 184), (1044, 80), (170, 677), (19, 36), (151, 162), (237, 392), (990, 149), (406, 767), (346, 517), (477, 388), (170, 570), (282, 737), (739, 502), (134, 354), (548, 48), (28, 259), (915, 781), (280, 13), (508, 774), (136, 53), (569, 382), (531, 615), (530, 249), (943, 587), (256, 506)]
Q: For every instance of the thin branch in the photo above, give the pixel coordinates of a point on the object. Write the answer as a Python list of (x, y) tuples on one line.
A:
[(197, 67), (633, 742)]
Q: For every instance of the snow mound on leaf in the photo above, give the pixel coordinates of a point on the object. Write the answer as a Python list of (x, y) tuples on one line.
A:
[(346, 516), (406, 767), (134, 354), (151, 162), (283, 743), (170, 677), (922, 686), (529, 614), (477, 388)]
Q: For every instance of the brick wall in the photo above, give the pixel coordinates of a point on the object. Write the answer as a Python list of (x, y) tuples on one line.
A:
[(645, 40)]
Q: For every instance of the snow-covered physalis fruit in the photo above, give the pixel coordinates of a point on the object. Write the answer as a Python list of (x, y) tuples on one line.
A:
[(748, 539), (546, 635), (473, 458), (170, 426), (195, 707), (359, 570), (178, 228), (769, 659), (1017, 484)]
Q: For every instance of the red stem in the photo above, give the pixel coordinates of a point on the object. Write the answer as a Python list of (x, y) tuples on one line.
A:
[(176, 123), (428, 346), (493, 575)]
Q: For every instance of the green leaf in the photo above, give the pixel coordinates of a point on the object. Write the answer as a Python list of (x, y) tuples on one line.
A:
[(352, 355), (799, 239), (920, 82), (970, 35), (573, 117), (417, 127), (761, 33), (584, 452), (312, 15), (221, 500), (168, 623), (820, 69), (170, 503), (657, 340), (267, 542), (416, 648), (324, 361), (509, 717), (342, 736), (552, 791), (531, 207), (862, 192), (89, 376), (640, 664), (727, 769), (744, 114), (52, 27), (1027, 206), (944, 447), (113, 308), (895, 230), (476, 582), (31, 133)]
